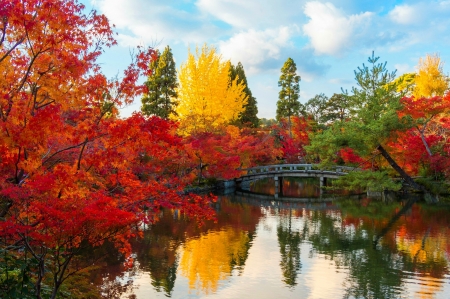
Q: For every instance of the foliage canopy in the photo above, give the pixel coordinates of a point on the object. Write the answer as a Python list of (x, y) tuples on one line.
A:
[(208, 99)]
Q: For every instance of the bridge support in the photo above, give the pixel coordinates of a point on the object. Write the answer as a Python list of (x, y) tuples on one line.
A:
[(278, 186), (323, 183)]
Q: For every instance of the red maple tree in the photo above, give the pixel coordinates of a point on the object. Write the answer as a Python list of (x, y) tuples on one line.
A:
[(72, 173)]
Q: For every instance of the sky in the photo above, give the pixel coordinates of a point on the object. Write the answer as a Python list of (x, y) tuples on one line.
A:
[(327, 40)]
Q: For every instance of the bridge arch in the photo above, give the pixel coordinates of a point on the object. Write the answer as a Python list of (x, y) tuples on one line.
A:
[(277, 172)]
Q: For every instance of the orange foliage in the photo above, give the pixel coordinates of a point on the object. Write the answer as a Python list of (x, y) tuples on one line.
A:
[(71, 172)]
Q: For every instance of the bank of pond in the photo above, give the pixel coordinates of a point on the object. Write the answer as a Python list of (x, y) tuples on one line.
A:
[(344, 247)]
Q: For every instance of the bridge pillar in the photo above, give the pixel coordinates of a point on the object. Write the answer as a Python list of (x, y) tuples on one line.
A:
[(323, 183), (276, 186)]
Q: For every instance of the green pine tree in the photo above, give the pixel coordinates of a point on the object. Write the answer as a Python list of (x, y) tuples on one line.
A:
[(161, 97), (373, 122), (248, 116), (288, 104), (315, 106), (336, 109)]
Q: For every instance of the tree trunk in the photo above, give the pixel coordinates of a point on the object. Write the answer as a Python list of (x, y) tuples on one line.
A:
[(290, 131), (397, 168), (424, 141), (403, 174), (394, 219)]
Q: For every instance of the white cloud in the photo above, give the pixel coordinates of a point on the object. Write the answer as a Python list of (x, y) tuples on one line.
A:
[(330, 30), (422, 15), (254, 48), (151, 21), (404, 14), (257, 14), (403, 68)]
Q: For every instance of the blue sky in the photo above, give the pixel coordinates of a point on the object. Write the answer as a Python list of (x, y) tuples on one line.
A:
[(326, 39)]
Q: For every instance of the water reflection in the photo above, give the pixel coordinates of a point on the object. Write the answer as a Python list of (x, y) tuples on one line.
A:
[(211, 257), (269, 249), (289, 241), (290, 187)]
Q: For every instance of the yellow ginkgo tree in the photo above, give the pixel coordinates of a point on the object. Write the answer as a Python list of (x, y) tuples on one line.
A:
[(208, 99), (430, 80)]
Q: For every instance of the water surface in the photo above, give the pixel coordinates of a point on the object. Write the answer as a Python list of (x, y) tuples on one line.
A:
[(346, 248)]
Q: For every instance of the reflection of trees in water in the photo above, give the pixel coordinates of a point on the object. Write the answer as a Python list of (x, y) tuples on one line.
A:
[(372, 273), (301, 187), (111, 276), (157, 253), (378, 272), (289, 241), (212, 256), (415, 247), (292, 187)]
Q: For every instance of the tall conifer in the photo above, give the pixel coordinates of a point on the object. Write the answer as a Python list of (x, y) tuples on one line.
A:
[(288, 104), (248, 116), (161, 97)]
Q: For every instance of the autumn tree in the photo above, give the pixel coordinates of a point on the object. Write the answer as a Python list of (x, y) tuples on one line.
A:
[(249, 116), (72, 175), (208, 99), (423, 111), (430, 80), (160, 100), (292, 140), (222, 154), (288, 104)]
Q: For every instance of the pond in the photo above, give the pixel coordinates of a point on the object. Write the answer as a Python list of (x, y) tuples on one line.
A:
[(351, 247)]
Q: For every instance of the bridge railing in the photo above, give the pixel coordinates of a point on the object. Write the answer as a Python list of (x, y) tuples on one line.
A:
[(279, 168), (294, 168)]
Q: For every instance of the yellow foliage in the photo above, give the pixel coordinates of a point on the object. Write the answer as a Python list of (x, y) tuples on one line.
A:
[(208, 259), (403, 84), (207, 98), (430, 80)]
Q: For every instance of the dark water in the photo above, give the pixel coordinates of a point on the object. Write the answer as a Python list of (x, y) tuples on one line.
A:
[(346, 248)]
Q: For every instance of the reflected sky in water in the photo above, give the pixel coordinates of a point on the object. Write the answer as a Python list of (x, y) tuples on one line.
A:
[(274, 249)]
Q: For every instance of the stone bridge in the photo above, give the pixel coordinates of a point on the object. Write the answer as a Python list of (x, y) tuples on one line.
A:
[(277, 172)]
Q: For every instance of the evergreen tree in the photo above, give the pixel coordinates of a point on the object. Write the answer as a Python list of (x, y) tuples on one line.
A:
[(335, 109), (161, 97), (248, 116), (315, 107), (288, 104), (372, 125)]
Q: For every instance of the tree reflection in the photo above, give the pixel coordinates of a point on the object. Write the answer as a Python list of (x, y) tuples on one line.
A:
[(158, 252), (289, 242), (212, 256), (409, 245), (410, 259)]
